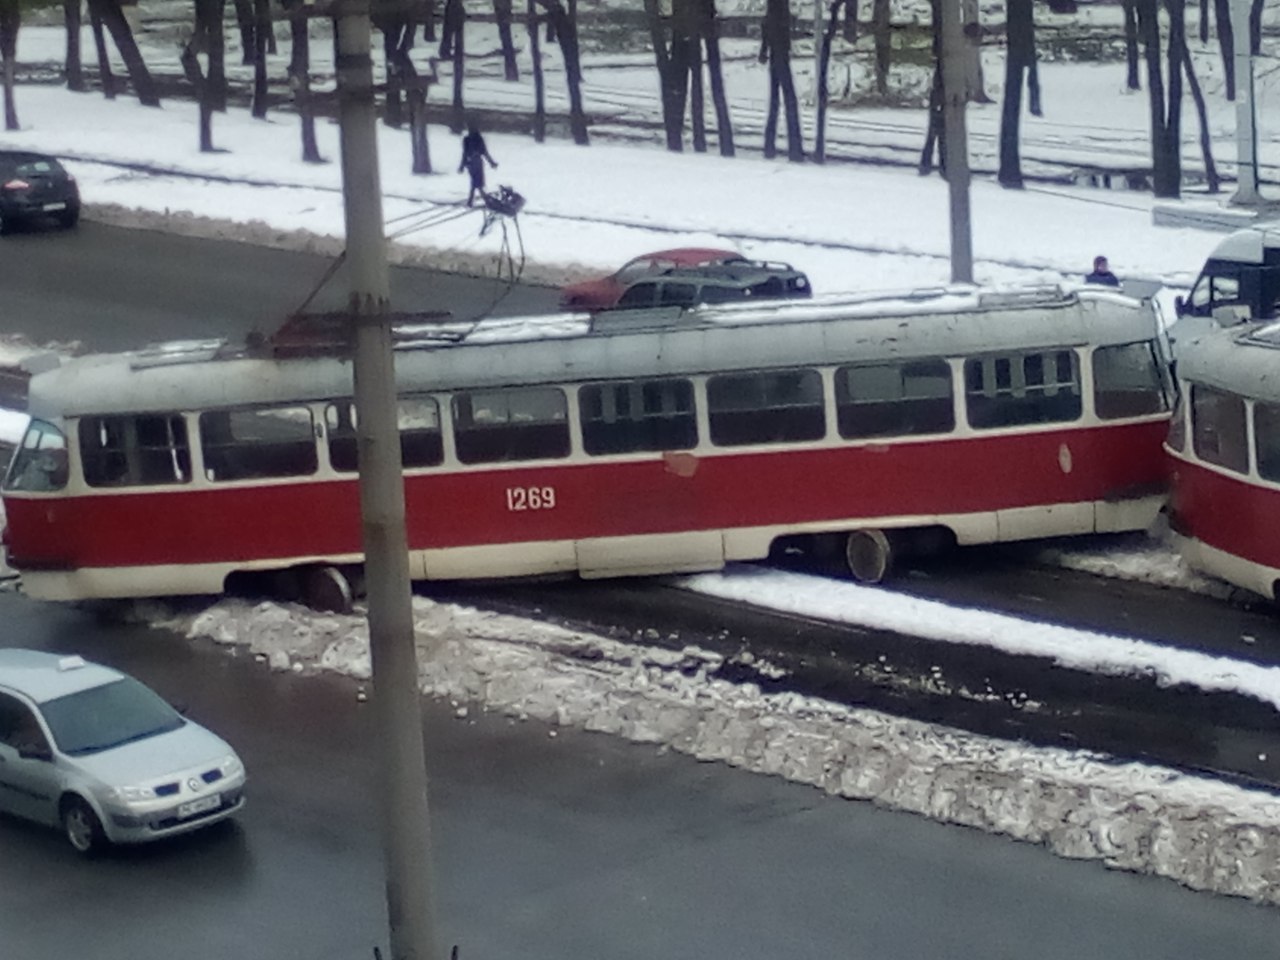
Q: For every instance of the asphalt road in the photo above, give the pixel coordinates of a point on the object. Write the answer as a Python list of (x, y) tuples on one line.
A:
[(552, 845), (113, 289)]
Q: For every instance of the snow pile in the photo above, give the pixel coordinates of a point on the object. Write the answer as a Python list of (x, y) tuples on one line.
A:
[(1199, 832)]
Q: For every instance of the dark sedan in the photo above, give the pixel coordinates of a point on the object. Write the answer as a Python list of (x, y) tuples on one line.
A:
[(35, 187)]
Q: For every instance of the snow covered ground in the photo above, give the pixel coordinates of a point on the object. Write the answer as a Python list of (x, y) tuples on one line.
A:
[(851, 228)]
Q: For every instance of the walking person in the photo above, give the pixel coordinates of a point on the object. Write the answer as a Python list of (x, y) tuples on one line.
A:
[(1102, 273), (474, 155)]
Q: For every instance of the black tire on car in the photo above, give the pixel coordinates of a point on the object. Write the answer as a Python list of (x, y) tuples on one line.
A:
[(82, 828), (69, 218)]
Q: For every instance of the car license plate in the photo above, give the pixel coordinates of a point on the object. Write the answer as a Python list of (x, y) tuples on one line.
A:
[(50, 207), (199, 806)]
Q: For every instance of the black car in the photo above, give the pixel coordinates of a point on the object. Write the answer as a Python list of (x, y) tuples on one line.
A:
[(35, 187), (716, 283)]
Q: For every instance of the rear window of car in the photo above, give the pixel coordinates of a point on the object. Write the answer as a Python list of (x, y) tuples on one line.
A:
[(36, 168)]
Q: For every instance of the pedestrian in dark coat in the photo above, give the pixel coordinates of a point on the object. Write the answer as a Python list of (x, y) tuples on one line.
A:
[(474, 155), (1102, 273)]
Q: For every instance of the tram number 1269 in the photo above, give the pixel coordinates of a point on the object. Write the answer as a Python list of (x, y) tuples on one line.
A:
[(531, 498)]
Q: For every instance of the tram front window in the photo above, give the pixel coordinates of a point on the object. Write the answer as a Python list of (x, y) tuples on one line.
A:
[(40, 463)]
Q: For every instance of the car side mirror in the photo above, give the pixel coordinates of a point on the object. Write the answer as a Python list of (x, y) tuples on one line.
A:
[(1179, 305), (30, 751)]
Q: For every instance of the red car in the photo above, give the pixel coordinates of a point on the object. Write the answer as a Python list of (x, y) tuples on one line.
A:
[(603, 293)]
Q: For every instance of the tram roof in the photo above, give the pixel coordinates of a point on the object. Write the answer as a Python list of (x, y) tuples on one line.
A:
[(1240, 360), (1248, 245), (952, 321)]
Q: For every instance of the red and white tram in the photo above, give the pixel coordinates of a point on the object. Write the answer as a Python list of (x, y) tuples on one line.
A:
[(1224, 442), (633, 443)]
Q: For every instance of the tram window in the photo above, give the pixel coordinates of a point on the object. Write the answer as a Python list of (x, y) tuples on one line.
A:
[(1024, 388), (40, 462), (633, 415), (258, 443), (1218, 428), (1266, 435), (769, 406), (493, 426), (418, 418), (1127, 381), (1214, 290), (135, 450), (894, 399)]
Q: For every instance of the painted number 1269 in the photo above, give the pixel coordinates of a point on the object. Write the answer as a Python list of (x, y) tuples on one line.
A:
[(531, 498)]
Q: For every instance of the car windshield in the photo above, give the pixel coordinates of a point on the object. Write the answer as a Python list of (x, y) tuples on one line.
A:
[(108, 716)]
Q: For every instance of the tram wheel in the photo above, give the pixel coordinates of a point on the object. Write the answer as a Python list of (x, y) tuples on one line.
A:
[(327, 588), (870, 555)]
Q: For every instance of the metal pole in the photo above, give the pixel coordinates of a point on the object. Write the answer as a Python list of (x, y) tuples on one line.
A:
[(955, 95), (1246, 137), (397, 710)]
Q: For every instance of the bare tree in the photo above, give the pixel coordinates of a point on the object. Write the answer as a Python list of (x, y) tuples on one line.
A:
[(74, 68), (1206, 142), (775, 49), (1129, 10), (502, 14), (671, 81), (1019, 54), (973, 52), (300, 77), (100, 48), (881, 31), (935, 129), (566, 31), (112, 17), (1226, 44), (247, 21), (452, 34), (262, 32), (710, 34), (10, 22), (539, 84), (398, 24), (824, 60), (1166, 112), (210, 86)]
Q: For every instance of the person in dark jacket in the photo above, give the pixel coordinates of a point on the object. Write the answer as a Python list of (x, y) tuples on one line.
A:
[(1102, 273), (474, 155)]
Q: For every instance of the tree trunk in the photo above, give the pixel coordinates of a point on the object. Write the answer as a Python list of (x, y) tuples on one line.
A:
[(1019, 50), (670, 82), (539, 83), (935, 132), (113, 19), (1226, 44), (206, 31), (300, 79), (1206, 141), (880, 29), (245, 20), (1033, 80), (502, 13), (697, 104), (261, 33), (681, 62), (973, 52), (100, 48), (74, 69), (566, 30), (10, 22), (1204, 21), (777, 37), (711, 41), (1165, 162), (850, 28), (1129, 9), (453, 48), (824, 61), (1255, 27), (393, 112), (1167, 182)]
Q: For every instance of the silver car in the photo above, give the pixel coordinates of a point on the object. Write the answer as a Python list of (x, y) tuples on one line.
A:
[(105, 757)]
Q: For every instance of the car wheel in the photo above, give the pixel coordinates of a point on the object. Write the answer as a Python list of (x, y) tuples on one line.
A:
[(82, 827), (69, 218), (6, 224)]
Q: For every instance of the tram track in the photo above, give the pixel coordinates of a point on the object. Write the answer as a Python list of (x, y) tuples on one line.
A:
[(1013, 697)]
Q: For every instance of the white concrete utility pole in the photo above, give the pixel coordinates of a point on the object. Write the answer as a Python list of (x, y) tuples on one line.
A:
[(955, 98), (406, 837), (1246, 136)]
